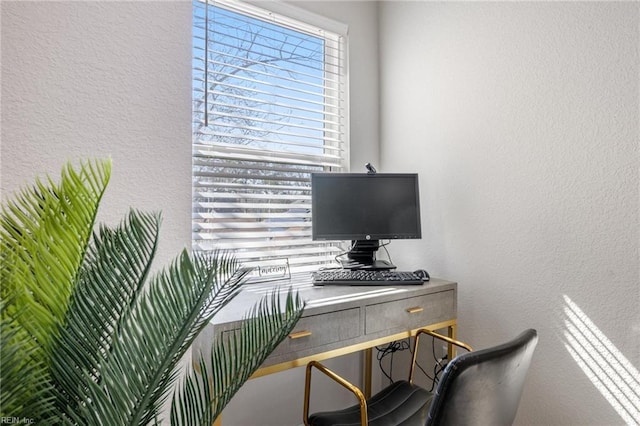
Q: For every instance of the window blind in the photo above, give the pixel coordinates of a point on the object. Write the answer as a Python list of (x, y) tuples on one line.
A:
[(269, 108)]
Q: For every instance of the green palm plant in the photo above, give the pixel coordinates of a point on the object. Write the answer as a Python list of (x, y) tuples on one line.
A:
[(90, 336)]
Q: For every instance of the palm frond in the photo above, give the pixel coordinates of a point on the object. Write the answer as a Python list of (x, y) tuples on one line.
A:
[(234, 358), (43, 237), (114, 271), (26, 388), (154, 335)]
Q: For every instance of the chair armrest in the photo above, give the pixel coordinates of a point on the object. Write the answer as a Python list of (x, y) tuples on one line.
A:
[(438, 336), (445, 338), (343, 382)]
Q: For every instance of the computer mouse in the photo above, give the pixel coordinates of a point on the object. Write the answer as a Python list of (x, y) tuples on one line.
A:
[(422, 274)]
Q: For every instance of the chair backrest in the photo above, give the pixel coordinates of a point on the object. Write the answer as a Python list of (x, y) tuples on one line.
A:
[(484, 387)]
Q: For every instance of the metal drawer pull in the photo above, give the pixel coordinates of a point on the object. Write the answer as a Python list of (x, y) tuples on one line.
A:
[(415, 309), (299, 334)]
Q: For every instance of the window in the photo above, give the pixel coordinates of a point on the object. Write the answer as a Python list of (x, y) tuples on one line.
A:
[(269, 108)]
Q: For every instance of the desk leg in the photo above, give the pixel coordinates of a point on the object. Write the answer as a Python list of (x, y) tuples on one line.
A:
[(366, 373)]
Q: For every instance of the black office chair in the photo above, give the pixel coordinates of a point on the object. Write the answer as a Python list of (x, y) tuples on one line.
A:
[(476, 388)]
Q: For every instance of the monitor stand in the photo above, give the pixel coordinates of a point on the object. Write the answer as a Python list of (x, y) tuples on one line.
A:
[(363, 256)]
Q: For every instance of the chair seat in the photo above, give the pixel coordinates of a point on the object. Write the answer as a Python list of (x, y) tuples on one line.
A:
[(399, 404)]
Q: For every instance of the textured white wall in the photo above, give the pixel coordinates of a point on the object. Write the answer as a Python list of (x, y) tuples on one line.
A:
[(102, 79), (522, 119)]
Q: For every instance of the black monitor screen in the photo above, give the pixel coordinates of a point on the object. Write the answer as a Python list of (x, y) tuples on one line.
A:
[(360, 206)]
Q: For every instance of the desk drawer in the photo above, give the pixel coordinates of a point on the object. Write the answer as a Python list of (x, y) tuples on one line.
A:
[(410, 313), (318, 330)]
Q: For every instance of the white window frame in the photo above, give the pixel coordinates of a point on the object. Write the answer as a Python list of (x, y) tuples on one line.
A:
[(210, 232)]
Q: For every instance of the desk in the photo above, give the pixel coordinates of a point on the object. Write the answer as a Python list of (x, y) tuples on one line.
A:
[(338, 320)]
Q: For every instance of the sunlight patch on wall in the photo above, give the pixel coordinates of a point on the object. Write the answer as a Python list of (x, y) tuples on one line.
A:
[(609, 371)]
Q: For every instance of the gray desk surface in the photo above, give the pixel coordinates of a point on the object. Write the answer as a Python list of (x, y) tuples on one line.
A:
[(321, 299)]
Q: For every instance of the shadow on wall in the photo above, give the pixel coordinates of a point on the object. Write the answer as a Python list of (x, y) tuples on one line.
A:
[(609, 371)]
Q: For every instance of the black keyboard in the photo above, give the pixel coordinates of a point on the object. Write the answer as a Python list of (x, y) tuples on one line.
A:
[(365, 277)]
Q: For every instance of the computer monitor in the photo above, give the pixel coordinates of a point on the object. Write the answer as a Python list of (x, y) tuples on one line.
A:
[(365, 208)]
